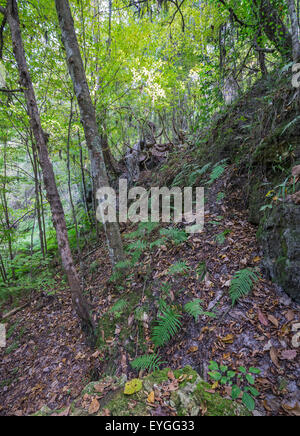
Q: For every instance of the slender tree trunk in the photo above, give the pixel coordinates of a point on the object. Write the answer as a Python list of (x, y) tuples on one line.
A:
[(69, 179), (2, 269), (6, 212), (84, 190), (47, 169), (34, 164), (295, 30), (88, 118)]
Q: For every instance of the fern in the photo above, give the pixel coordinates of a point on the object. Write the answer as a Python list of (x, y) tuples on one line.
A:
[(198, 173), (150, 362), (178, 268), (167, 326), (137, 246), (119, 306), (217, 172), (157, 243), (242, 284), (194, 309), (176, 235)]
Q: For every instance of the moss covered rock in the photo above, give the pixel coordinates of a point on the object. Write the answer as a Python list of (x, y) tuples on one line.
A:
[(279, 235), (180, 392)]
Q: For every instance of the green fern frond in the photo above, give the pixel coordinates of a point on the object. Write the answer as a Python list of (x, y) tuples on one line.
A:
[(157, 243), (167, 326), (195, 309), (149, 362), (217, 172), (137, 245), (178, 268), (175, 235), (119, 306), (242, 284)]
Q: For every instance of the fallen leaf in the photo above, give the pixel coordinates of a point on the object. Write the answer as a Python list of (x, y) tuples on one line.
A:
[(288, 354), (228, 339), (294, 410), (263, 320), (274, 357), (193, 349), (94, 407), (171, 375), (151, 397), (273, 320)]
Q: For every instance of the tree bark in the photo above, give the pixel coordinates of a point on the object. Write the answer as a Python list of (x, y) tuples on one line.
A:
[(88, 119), (295, 30), (275, 29), (58, 216)]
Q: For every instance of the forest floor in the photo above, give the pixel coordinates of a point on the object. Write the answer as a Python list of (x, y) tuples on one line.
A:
[(47, 361)]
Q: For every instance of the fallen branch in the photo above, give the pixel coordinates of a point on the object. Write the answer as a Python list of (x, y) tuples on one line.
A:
[(14, 311)]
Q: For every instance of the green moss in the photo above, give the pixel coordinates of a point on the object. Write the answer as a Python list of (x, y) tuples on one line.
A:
[(120, 404), (188, 399), (215, 404)]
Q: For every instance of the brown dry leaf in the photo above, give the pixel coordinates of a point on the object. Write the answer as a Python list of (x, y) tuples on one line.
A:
[(257, 259), (288, 354), (94, 407), (273, 320), (274, 357), (173, 386), (151, 397), (228, 339), (293, 410), (171, 375), (99, 388), (193, 349), (290, 315), (97, 354), (263, 320), (106, 412), (182, 378)]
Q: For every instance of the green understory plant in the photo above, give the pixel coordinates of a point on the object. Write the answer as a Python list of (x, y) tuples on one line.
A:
[(167, 325), (242, 284), (241, 382), (149, 362), (195, 309)]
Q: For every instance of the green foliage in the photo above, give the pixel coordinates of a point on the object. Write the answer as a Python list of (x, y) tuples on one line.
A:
[(217, 172), (201, 271), (195, 309), (175, 235), (178, 268), (118, 307), (137, 246), (245, 379), (242, 284), (221, 237), (168, 324), (149, 362)]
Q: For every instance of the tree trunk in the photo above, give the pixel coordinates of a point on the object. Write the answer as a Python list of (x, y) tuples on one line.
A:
[(275, 29), (295, 30), (88, 119), (58, 216)]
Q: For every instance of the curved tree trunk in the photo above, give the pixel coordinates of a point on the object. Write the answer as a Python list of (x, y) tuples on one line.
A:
[(58, 216), (88, 119)]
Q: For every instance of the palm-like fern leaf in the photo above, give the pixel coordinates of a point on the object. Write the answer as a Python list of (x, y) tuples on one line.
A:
[(150, 362), (241, 284), (194, 309), (167, 326)]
